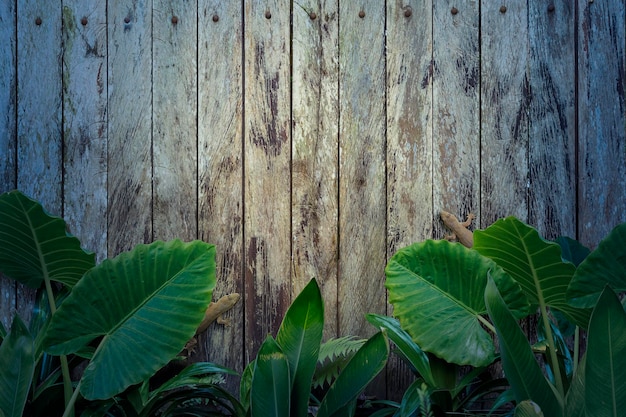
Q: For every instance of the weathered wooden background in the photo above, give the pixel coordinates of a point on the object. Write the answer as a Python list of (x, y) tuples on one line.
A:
[(310, 138)]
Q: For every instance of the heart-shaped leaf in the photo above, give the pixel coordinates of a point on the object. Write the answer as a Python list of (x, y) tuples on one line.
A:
[(437, 288), (146, 304), (533, 262), (604, 266), (35, 245)]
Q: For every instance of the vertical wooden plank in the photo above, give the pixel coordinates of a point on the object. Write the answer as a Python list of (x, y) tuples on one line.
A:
[(456, 89), (84, 122), (552, 146), (8, 133), (267, 153), (504, 111), (362, 202), (174, 110), (39, 86), (409, 141), (130, 113), (601, 119), (39, 103), (315, 151), (220, 167)]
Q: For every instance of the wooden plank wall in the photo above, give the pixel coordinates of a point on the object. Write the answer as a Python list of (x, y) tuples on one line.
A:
[(312, 138)]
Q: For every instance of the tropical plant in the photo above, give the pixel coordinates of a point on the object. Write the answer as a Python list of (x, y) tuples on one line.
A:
[(128, 316), (436, 289), (278, 382)]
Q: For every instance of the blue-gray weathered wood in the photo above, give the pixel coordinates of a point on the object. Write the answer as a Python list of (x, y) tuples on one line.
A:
[(85, 126)]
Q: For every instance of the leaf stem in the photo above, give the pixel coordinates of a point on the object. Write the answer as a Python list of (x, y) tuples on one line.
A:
[(546, 323), (69, 408), (65, 368), (486, 324)]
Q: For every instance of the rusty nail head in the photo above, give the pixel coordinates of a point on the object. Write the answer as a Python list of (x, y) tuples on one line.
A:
[(268, 15), (551, 8), (454, 10), (502, 9), (174, 19), (83, 21), (408, 12), (38, 21), (216, 18), (361, 14), (127, 20), (312, 15)]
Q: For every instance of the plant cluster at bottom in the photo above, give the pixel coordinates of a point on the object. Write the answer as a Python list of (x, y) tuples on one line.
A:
[(99, 333)]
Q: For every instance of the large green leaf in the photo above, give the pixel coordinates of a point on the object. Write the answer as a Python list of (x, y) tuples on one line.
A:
[(35, 245), (270, 390), (518, 360), (605, 377), (605, 265), (410, 350), (146, 304), (358, 373), (436, 288), (17, 365), (533, 262), (299, 337)]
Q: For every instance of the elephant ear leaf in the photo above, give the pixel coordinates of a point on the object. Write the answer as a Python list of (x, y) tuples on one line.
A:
[(604, 266), (17, 366), (437, 288), (145, 304), (533, 262), (35, 245)]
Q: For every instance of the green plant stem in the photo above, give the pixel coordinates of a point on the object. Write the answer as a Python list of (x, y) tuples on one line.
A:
[(65, 368), (487, 324), (69, 408), (576, 347), (546, 323)]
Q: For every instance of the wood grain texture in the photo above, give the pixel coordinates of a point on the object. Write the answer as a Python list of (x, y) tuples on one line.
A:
[(601, 119), (267, 154), (409, 142), (362, 208), (8, 96), (8, 134), (220, 168), (39, 103), (174, 133), (456, 110), (552, 124), (504, 111), (85, 123), (39, 115), (315, 151), (130, 124)]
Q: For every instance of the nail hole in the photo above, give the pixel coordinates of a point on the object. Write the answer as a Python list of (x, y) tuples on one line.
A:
[(408, 12), (83, 21), (38, 21), (361, 14), (127, 20), (312, 15), (502, 9), (216, 18), (551, 8), (174, 20), (454, 10), (268, 15)]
